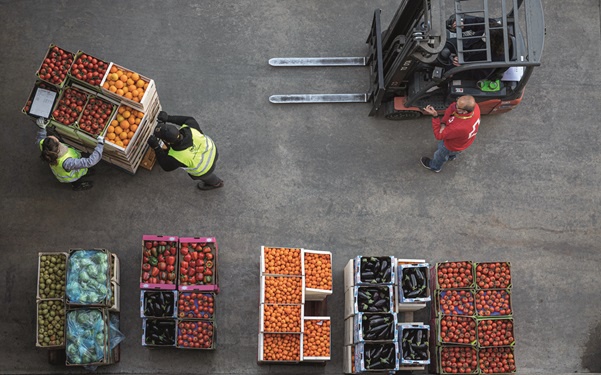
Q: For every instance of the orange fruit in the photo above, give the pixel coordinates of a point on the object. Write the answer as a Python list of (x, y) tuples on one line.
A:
[(111, 128), (140, 114), (123, 135), (128, 95), (145, 85), (118, 130), (121, 109), (119, 84), (135, 76), (130, 82), (111, 136), (113, 69), (130, 134), (120, 92), (112, 88), (126, 114), (125, 142), (133, 128), (124, 124), (135, 92), (140, 83), (123, 77), (105, 85), (137, 122), (132, 120)]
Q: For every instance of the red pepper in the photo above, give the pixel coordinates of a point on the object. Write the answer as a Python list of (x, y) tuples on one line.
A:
[(163, 275), (170, 260), (206, 250), (173, 250), (200, 262), (208, 272), (153, 280), (146, 252), (187, 257), (162, 266), (161, 258), (148, 245), (192, 263), (170, 268), (209, 256), (184, 251), (192, 280), (195, 255), (145, 276), (146, 267), (184, 265), (191, 271), (200, 269), (154, 271), (199, 276)]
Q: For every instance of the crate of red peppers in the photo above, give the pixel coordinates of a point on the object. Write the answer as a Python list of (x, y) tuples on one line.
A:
[(196, 334), (159, 262), (193, 305), (198, 264)]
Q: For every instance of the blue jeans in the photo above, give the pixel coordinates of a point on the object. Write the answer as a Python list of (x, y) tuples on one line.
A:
[(442, 155)]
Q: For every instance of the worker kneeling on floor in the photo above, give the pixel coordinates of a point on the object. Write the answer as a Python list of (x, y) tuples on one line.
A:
[(187, 148)]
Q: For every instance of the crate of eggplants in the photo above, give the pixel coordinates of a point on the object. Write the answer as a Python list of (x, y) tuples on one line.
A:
[(376, 356), (374, 299), (158, 304), (415, 345), (375, 327), (159, 332), (414, 283), (374, 270)]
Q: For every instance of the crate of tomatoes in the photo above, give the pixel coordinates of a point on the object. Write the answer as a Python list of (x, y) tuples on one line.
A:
[(55, 66), (196, 334), (88, 70), (198, 264), (193, 305)]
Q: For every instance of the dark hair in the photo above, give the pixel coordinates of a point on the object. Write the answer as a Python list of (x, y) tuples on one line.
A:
[(50, 148)]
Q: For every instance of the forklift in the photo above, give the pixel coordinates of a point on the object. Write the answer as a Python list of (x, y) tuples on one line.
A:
[(484, 48)]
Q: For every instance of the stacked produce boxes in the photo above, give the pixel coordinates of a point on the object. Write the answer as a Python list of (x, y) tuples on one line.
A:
[(473, 318), (84, 97), (291, 277), (179, 283), (378, 291), (78, 298)]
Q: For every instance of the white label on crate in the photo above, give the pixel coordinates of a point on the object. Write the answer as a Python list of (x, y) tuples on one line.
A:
[(42, 103)]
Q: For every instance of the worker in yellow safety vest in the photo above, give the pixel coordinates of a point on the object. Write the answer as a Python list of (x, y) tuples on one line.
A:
[(187, 147), (66, 163)]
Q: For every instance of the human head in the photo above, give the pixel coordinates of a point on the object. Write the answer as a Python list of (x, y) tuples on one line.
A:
[(466, 103), (50, 149), (168, 133)]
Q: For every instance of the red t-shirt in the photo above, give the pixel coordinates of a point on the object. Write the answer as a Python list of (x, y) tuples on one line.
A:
[(460, 130)]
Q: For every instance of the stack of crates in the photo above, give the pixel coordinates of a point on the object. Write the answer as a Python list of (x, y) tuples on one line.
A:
[(50, 92), (370, 327), (174, 311), (477, 299), (73, 298), (285, 272)]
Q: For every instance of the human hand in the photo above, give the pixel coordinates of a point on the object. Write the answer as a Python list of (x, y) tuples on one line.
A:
[(430, 110), (456, 61), (100, 139), (41, 122), (163, 116), (153, 142)]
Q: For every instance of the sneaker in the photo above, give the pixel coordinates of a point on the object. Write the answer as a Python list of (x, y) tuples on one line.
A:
[(202, 186), (85, 185), (426, 163), (452, 157)]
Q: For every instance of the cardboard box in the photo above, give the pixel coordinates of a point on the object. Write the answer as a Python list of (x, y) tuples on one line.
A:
[(297, 310), (71, 75), (264, 271), (508, 337), (115, 268), (359, 325), (349, 331), (197, 326), (442, 366), (262, 359), (300, 298), (435, 280), (213, 285), (361, 363), (144, 294), (146, 284), (196, 302), (487, 310), (319, 320), (348, 359), (501, 277), (169, 325), (351, 299), (405, 270), (463, 307), (406, 329), (452, 341), (115, 304), (316, 294)]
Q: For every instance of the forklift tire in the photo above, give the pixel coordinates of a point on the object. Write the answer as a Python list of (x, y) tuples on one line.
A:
[(403, 115)]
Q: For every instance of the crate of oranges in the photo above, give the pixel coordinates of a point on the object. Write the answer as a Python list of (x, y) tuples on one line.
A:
[(124, 126), (318, 274), (129, 87), (282, 261), (317, 338), (282, 289)]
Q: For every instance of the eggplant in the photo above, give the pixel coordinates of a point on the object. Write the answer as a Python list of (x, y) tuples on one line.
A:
[(367, 275), (364, 295), (386, 276), (377, 320), (384, 266), (381, 303)]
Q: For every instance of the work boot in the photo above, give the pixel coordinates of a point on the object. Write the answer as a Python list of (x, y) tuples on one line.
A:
[(202, 186), (84, 185), (426, 163)]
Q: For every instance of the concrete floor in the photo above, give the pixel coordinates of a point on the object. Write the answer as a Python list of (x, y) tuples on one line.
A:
[(322, 177)]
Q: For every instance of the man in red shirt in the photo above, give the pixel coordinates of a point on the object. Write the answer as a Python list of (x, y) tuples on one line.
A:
[(455, 132)]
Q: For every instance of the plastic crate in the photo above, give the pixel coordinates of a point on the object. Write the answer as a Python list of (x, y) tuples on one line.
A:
[(358, 280)]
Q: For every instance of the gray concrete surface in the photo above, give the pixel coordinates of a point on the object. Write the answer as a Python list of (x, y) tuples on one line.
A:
[(322, 177)]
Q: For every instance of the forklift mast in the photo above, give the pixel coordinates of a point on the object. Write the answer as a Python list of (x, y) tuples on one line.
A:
[(405, 61)]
